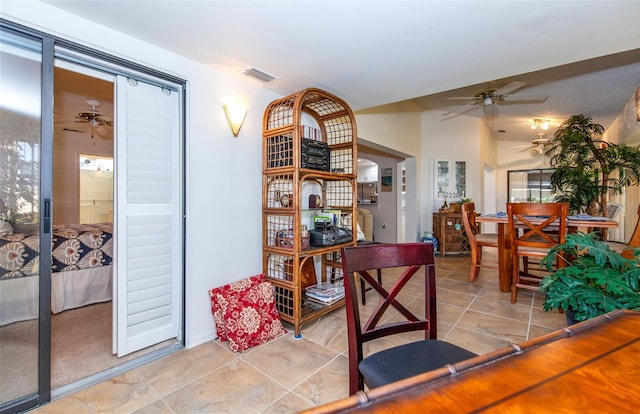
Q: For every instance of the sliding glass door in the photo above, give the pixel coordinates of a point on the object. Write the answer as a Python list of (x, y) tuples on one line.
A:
[(21, 77), (148, 215)]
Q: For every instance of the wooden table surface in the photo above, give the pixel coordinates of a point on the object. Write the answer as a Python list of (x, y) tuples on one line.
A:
[(593, 366), (504, 246)]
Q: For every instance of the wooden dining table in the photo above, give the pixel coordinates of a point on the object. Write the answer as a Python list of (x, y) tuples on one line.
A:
[(574, 224), (592, 366)]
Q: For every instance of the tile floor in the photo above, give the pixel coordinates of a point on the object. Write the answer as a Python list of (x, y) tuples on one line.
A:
[(288, 375)]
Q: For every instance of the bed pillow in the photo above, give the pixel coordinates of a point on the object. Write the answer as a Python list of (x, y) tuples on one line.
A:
[(253, 319), (6, 229), (227, 296)]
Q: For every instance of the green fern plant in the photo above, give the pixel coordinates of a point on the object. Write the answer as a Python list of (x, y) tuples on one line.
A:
[(594, 279), (588, 169)]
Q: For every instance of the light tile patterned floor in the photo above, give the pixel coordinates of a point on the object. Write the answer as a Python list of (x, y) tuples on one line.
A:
[(287, 375)]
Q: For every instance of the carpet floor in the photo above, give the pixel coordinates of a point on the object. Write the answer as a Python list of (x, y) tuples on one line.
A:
[(81, 345)]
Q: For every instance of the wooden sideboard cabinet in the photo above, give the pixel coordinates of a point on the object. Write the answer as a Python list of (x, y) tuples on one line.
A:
[(448, 228)]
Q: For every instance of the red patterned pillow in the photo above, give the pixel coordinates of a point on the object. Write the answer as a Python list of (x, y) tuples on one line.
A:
[(228, 296), (253, 320)]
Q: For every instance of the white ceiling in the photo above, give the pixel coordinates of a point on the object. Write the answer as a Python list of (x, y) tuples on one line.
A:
[(583, 55)]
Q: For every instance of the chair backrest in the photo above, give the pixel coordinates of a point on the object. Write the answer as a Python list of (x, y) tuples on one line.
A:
[(469, 221), (612, 210), (410, 258), (634, 241), (537, 225)]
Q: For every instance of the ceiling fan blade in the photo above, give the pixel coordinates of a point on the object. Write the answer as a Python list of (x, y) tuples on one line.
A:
[(462, 98), (74, 130), (541, 141), (104, 122), (525, 98), (509, 88), (522, 146)]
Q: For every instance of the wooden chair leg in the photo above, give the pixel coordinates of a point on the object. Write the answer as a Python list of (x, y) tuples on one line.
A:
[(364, 289), (515, 278), (475, 266)]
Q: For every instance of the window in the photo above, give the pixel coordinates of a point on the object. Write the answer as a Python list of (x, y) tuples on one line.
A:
[(96, 189)]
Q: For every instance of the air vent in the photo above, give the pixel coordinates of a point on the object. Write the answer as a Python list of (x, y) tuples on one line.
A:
[(260, 75)]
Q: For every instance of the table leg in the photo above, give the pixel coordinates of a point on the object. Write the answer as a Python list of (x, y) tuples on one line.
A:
[(504, 258)]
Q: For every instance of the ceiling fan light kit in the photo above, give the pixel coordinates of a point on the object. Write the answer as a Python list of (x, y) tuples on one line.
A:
[(542, 123), (91, 116)]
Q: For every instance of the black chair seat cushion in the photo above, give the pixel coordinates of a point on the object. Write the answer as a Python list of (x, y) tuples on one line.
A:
[(405, 361)]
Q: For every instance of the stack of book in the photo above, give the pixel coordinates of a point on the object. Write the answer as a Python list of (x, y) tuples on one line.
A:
[(325, 293)]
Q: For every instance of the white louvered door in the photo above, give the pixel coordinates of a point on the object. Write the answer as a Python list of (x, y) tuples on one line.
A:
[(148, 224)]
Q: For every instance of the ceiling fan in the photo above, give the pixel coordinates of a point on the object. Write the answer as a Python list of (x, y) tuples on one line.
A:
[(536, 147), (91, 116), (490, 96)]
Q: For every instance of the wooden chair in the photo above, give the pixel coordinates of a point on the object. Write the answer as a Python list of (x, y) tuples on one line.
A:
[(477, 241), (398, 362), (534, 228), (634, 242)]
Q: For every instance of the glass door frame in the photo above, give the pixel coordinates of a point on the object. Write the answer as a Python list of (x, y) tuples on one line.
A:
[(43, 393)]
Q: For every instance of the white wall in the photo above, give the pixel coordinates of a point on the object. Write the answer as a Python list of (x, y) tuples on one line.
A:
[(458, 138), (367, 173), (395, 126), (626, 127), (223, 177), (425, 136)]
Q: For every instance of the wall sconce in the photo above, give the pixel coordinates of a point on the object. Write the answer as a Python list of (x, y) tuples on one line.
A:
[(543, 123), (235, 116)]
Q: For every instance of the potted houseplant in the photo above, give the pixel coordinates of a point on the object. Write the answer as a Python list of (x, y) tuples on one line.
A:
[(594, 279), (588, 169)]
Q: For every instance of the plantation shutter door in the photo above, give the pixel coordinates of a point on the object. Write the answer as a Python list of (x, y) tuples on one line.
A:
[(148, 261)]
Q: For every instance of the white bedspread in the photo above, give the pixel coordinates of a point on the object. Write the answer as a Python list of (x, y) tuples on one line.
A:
[(69, 290), (80, 287)]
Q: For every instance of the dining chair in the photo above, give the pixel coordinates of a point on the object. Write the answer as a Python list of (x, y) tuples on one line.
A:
[(477, 241), (411, 303), (534, 228), (626, 249)]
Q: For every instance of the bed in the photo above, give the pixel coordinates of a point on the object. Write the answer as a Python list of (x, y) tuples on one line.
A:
[(81, 270)]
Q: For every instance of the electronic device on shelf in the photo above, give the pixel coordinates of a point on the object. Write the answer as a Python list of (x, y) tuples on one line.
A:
[(315, 155), (323, 236)]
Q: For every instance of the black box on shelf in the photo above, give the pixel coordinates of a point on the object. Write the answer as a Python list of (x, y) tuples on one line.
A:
[(330, 236), (315, 155)]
